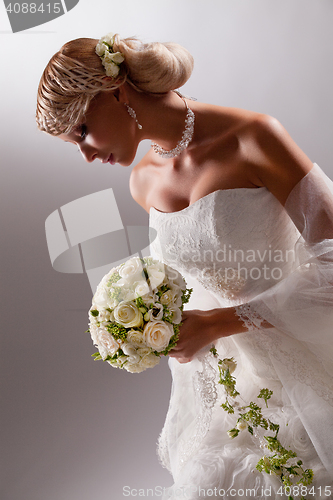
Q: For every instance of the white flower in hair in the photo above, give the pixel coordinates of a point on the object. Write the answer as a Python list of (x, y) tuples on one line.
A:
[(114, 57), (100, 49), (110, 60), (109, 39), (111, 69)]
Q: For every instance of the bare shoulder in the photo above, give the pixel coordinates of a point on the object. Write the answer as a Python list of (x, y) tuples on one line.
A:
[(139, 182), (278, 161)]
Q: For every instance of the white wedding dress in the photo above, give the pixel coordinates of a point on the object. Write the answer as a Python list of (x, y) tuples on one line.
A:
[(241, 248)]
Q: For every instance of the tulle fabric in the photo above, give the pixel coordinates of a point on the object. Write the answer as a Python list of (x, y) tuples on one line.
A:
[(294, 357), (301, 306)]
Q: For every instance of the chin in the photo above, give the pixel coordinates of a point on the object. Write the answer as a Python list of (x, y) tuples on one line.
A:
[(126, 162)]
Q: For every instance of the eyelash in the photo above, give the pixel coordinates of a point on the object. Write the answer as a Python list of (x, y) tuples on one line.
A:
[(83, 131)]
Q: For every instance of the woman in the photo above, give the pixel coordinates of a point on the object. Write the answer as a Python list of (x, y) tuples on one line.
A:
[(243, 213)]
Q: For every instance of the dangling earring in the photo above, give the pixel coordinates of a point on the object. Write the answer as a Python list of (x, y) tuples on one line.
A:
[(132, 114)]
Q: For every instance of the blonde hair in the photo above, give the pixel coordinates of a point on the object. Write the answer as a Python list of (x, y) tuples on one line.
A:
[(75, 75)]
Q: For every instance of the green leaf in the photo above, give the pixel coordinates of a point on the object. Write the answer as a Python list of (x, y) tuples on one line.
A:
[(265, 394), (227, 407), (186, 295), (213, 350)]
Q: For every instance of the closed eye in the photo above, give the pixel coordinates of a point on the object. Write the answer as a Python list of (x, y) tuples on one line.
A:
[(83, 131)]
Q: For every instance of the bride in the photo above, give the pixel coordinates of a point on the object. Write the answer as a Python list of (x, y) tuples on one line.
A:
[(247, 218)]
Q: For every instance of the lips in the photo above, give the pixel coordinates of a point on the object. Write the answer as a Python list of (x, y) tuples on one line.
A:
[(109, 160)]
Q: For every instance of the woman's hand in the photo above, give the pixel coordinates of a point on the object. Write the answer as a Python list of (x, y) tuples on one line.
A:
[(201, 328)]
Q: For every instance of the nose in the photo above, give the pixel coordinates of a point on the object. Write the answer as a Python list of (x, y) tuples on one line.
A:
[(88, 153)]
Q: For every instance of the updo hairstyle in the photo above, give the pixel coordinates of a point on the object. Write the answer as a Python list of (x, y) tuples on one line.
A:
[(75, 75)]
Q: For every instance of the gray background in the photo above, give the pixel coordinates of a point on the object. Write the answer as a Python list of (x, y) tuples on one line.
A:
[(73, 429)]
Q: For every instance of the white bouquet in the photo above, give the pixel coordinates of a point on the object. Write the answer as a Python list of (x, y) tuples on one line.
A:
[(136, 313)]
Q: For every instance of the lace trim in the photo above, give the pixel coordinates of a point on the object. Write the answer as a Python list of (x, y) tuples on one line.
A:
[(206, 395), (205, 390), (163, 449), (250, 318)]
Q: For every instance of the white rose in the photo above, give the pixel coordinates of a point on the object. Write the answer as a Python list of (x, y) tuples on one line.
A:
[(167, 297), (132, 270), (106, 344), (229, 363), (157, 335), (156, 275), (172, 296), (141, 288), (149, 361), (135, 337), (111, 69), (101, 297), (128, 315)]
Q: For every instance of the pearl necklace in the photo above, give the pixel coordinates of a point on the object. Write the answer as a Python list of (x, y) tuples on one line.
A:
[(186, 137)]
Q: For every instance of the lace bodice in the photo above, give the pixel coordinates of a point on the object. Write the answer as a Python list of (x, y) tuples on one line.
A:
[(235, 242), (241, 248)]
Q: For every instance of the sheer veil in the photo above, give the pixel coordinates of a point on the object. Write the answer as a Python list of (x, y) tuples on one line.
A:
[(301, 308)]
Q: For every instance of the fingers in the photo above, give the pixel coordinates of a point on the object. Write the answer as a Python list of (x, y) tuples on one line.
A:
[(183, 360), (179, 357)]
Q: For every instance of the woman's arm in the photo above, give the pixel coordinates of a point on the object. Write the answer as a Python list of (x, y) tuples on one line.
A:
[(275, 158), (201, 328)]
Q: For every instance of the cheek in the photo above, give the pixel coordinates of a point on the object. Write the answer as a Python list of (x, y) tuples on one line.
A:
[(99, 138)]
